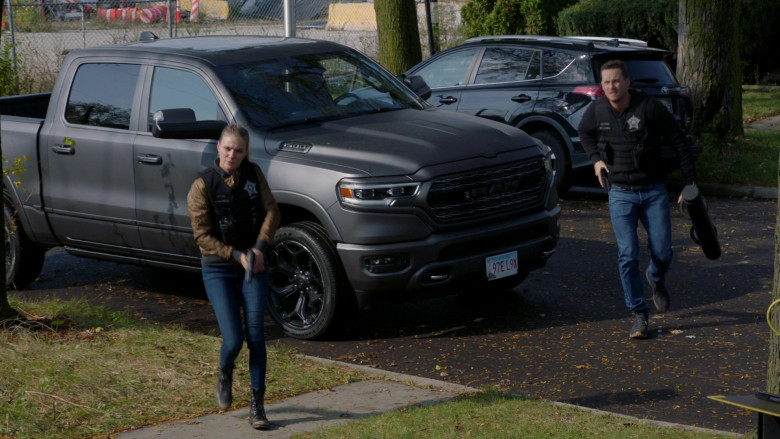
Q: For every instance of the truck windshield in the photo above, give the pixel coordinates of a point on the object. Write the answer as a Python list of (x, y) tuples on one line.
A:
[(313, 88)]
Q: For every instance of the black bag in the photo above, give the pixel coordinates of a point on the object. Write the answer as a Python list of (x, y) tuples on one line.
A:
[(703, 231)]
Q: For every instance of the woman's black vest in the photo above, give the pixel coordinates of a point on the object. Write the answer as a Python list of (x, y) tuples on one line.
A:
[(239, 212), (632, 154)]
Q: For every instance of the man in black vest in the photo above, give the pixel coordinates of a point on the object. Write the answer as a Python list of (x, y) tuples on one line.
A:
[(622, 134)]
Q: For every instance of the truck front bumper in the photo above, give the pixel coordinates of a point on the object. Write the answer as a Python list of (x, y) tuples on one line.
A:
[(446, 260)]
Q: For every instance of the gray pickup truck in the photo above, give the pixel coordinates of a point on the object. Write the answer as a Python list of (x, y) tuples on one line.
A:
[(380, 193)]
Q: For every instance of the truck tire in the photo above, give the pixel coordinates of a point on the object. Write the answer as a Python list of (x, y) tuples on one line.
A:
[(23, 259), (561, 162), (307, 293)]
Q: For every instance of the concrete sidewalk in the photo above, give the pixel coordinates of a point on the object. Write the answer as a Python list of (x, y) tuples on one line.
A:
[(312, 411), (338, 405)]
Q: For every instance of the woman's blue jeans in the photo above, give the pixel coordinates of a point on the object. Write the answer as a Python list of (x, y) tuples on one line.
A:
[(650, 205), (229, 293)]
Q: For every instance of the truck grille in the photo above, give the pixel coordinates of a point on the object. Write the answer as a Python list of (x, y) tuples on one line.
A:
[(517, 186)]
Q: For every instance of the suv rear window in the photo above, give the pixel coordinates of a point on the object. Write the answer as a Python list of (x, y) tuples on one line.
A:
[(565, 67)]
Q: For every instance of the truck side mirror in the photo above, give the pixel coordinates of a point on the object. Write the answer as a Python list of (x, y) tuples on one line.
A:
[(180, 123), (417, 84)]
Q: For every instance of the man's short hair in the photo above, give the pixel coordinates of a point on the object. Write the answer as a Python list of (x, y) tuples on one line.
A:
[(615, 64)]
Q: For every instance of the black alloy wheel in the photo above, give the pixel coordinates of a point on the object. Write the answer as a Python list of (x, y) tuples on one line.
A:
[(305, 281), (23, 259)]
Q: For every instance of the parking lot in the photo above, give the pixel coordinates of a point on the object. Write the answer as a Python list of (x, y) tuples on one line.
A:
[(562, 335)]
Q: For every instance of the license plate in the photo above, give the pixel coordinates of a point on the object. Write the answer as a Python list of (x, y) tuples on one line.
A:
[(502, 265)]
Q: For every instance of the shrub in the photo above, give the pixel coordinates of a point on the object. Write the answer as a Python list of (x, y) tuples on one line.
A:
[(13, 81), (28, 17), (656, 22), (758, 28), (509, 17)]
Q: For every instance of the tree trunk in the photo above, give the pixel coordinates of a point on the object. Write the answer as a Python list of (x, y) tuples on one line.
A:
[(399, 38), (708, 62), (773, 366)]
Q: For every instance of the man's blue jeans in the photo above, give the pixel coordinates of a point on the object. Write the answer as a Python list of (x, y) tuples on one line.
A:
[(650, 205), (228, 294)]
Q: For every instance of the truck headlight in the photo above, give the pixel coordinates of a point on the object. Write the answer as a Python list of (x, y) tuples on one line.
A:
[(375, 194), (547, 157)]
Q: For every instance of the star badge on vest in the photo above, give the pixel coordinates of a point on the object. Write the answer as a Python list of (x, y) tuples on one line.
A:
[(633, 123), (251, 189)]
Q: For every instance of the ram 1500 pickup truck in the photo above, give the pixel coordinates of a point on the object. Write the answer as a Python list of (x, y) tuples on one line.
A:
[(380, 193)]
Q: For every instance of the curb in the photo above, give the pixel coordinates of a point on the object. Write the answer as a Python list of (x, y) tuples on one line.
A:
[(398, 377)]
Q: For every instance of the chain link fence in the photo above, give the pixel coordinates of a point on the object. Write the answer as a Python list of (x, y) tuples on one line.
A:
[(36, 35)]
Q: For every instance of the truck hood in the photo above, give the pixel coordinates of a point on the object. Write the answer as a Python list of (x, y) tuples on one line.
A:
[(397, 142)]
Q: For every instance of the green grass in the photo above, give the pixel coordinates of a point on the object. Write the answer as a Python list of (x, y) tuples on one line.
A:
[(492, 414), (751, 160), (74, 370), (758, 103)]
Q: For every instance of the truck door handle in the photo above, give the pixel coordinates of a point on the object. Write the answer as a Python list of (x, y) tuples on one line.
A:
[(521, 98), (150, 159), (62, 149), (448, 100)]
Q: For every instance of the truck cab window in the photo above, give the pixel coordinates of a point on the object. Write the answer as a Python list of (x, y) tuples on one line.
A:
[(102, 95), (174, 88)]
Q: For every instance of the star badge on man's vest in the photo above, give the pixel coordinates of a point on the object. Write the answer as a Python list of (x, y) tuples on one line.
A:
[(633, 123), (251, 189)]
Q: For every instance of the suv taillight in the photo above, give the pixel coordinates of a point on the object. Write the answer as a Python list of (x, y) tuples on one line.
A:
[(594, 91), (685, 91)]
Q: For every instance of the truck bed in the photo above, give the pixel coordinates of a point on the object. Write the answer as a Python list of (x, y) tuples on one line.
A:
[(32, 105)]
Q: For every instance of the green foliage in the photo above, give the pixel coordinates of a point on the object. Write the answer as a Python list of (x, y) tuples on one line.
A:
[(508, 17), (759, 31), (654, 22), (14, 170), (28, 17), (13, 81)]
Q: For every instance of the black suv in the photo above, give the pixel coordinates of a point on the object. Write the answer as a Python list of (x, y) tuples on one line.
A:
[(544, 84)]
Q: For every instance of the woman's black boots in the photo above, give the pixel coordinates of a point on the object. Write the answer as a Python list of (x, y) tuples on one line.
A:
[(257, 417), (225, 388)]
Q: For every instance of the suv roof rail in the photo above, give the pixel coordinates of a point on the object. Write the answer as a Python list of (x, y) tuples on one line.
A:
[(590, 41), (545, 38), (611, 41)]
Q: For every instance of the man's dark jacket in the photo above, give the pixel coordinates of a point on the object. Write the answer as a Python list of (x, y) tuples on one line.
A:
[(630, 143)]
